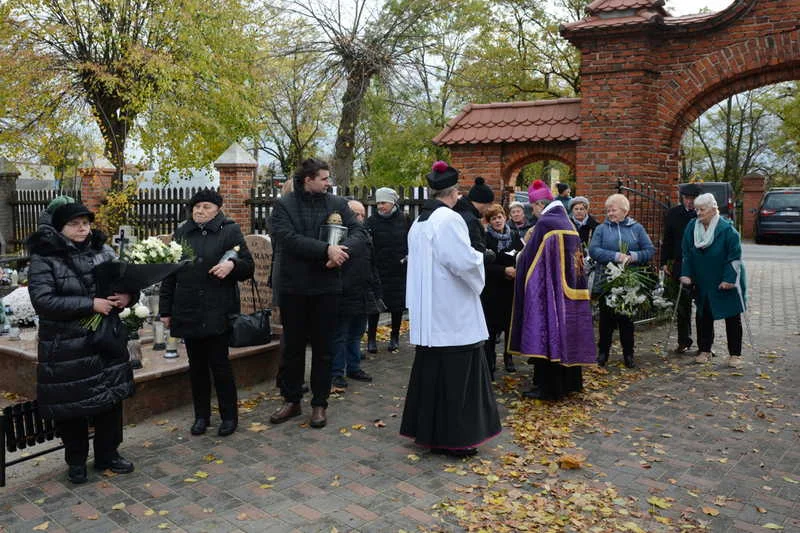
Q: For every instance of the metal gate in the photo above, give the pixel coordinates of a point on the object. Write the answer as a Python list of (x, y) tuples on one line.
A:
[(648, 207)]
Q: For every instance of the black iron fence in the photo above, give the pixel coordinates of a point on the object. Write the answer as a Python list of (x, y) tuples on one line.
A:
[(649, 205)]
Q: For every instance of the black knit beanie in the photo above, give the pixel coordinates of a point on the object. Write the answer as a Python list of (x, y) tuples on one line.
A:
[(67, 212), (206, 195), (480, 192)]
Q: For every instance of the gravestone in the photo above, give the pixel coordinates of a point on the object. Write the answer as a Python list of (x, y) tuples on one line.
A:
[(261, 249)]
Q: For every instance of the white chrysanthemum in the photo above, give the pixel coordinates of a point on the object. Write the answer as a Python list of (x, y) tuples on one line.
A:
[(19, 301), (125, 313), (141, 311)]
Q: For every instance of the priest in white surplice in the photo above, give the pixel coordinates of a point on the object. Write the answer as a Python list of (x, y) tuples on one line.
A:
[(450, 406)]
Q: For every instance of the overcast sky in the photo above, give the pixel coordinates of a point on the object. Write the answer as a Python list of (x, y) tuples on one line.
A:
[(689, 7)]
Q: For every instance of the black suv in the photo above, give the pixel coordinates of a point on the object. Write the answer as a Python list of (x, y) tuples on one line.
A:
[(779, 214), (723, 194)]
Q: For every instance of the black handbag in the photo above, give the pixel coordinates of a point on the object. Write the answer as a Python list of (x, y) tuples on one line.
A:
[(110, 339), (253, 329)]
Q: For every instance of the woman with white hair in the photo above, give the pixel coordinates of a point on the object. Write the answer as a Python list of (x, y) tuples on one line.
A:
[(712, 262), (518, 220), (621, 240)]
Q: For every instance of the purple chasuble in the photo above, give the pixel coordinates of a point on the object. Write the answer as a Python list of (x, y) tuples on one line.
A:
[(552, 316)]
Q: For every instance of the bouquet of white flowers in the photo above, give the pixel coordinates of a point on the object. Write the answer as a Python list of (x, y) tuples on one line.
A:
[(134, 317), (153, 250), (630, 290)]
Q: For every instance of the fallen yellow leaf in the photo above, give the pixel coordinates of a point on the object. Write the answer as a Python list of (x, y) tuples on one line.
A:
[(770, 525), (118, 506), (42, 527), (201, 474), (571, 462), (661, 503), (710, 511)]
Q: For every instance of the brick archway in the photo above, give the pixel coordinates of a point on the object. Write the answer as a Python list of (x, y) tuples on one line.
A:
[(646, 76), (496, 140)]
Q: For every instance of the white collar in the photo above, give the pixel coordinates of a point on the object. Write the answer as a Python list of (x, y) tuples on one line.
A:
[(552, 205)]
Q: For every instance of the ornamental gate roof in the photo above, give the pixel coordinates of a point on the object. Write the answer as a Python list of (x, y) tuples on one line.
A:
[(543, 120)]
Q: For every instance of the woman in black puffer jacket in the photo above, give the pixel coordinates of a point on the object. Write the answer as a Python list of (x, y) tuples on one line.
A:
[(498, 292), (197, 303), (75, 382), (389, 230)]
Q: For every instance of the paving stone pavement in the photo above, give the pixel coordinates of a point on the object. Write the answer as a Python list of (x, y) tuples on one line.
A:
[(702, 435)]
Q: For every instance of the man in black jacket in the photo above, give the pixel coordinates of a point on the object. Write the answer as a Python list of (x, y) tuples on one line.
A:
[(472, 208), (310, 284), (675, 222)]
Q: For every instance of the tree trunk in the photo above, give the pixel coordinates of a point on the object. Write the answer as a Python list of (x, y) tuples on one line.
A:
[(344, 150), (114, 127)]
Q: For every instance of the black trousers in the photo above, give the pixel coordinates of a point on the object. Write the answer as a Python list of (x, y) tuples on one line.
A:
[(209, 356), (733, 330), (491, 344), (107, 436), (307, 319), (684, 318), (372, 323), (609, 321)]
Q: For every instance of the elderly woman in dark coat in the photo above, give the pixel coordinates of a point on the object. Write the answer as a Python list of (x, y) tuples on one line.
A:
[(581, 219), (74, 380), (498, 292), (389, 230), (712, 262), (197, 303)]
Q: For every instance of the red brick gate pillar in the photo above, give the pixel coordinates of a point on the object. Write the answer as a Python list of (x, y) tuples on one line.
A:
[(752, 190), (96, 178), (237, 173)]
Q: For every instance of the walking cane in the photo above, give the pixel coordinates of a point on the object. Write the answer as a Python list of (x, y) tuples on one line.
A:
[(737, 265), (674, 316)]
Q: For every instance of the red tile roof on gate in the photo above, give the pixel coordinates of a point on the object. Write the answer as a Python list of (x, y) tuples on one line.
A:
[(543, 120)]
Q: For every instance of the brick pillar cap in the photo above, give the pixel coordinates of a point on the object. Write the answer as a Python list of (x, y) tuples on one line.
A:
[(235, 155), (99, 162), (7, 167)]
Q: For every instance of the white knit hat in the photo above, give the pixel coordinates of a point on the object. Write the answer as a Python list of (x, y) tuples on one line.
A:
[(386, 194)]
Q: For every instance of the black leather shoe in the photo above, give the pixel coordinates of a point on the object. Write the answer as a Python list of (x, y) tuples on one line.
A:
[(227, 427), (372, 346), (359, 375), (602, 359), (394, 343), (508, 361), (118, 465), (628, 359), (199, 427), (285, 412), (536, 394), (77, 474), (318, 418)]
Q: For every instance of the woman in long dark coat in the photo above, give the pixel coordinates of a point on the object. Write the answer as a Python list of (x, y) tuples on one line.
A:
[(74, 380), (712, 262), (498, 292), (197, 303), (389, 230)]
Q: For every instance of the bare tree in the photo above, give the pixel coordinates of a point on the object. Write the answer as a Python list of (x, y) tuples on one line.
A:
[(361, 43)]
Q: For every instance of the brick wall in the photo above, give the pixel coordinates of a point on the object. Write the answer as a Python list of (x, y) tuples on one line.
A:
[(95, 183), (8, 178), (640, 90), (235, 182)]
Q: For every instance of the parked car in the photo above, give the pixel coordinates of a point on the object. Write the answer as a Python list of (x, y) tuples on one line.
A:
[(778, 214), (723, 193)]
